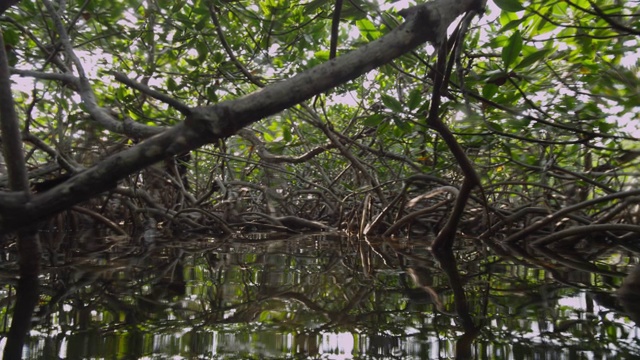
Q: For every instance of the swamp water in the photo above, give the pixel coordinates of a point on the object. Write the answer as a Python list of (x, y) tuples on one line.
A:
[(327, 297)]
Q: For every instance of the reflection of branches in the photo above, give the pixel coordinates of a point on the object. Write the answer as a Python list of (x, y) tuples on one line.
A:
[(26, 301), (577, 263), (268, 282), (420, 277), (448, 264), (293, 223)]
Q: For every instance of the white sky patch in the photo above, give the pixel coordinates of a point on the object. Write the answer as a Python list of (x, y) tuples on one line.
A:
[(630, 60), (396, 5)]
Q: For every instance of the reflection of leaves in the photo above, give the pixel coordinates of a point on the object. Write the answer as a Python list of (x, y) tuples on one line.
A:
[(267, 285)]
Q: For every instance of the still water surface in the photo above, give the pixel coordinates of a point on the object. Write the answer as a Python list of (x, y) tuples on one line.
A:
[(327, 297)]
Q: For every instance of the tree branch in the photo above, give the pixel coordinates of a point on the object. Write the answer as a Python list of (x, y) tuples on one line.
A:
[(98, 114), (335, 28), (10, 126), (209, 124), (6, 4)]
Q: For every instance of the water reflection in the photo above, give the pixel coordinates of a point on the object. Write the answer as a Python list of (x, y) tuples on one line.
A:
[(329, 297)]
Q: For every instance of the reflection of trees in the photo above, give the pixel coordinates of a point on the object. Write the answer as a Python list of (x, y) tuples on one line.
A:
[(564, 296), (26, 299), (393, 297)]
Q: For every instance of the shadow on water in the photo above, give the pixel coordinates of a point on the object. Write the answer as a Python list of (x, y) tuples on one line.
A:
[(324, 296)]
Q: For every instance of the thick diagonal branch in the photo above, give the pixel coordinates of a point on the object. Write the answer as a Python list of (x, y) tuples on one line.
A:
[(208, 124)]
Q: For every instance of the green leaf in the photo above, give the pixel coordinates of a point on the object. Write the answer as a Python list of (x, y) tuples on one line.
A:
[(12, 58), (415, 98), (489, 90), (322, 55), (355, 9), (11, 37), (286, 134), (204, 21), (544, 26), (314, 5), (392, 103), (511, 52), (373, 120), (509, 5), (402, 127), (267, 136), (171, 84), (212, 95), (202, 49), (493, 126), (367, 29), (507, 17), (533, 58), (177, 6), (513, 24), (604, 127)]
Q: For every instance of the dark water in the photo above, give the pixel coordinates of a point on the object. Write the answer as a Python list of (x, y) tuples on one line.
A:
[(326, 297)]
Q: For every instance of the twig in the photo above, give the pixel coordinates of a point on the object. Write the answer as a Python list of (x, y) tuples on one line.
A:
[(174, 103)]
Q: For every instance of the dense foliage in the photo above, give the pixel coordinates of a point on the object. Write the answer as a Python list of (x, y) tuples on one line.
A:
[(542, 97)]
